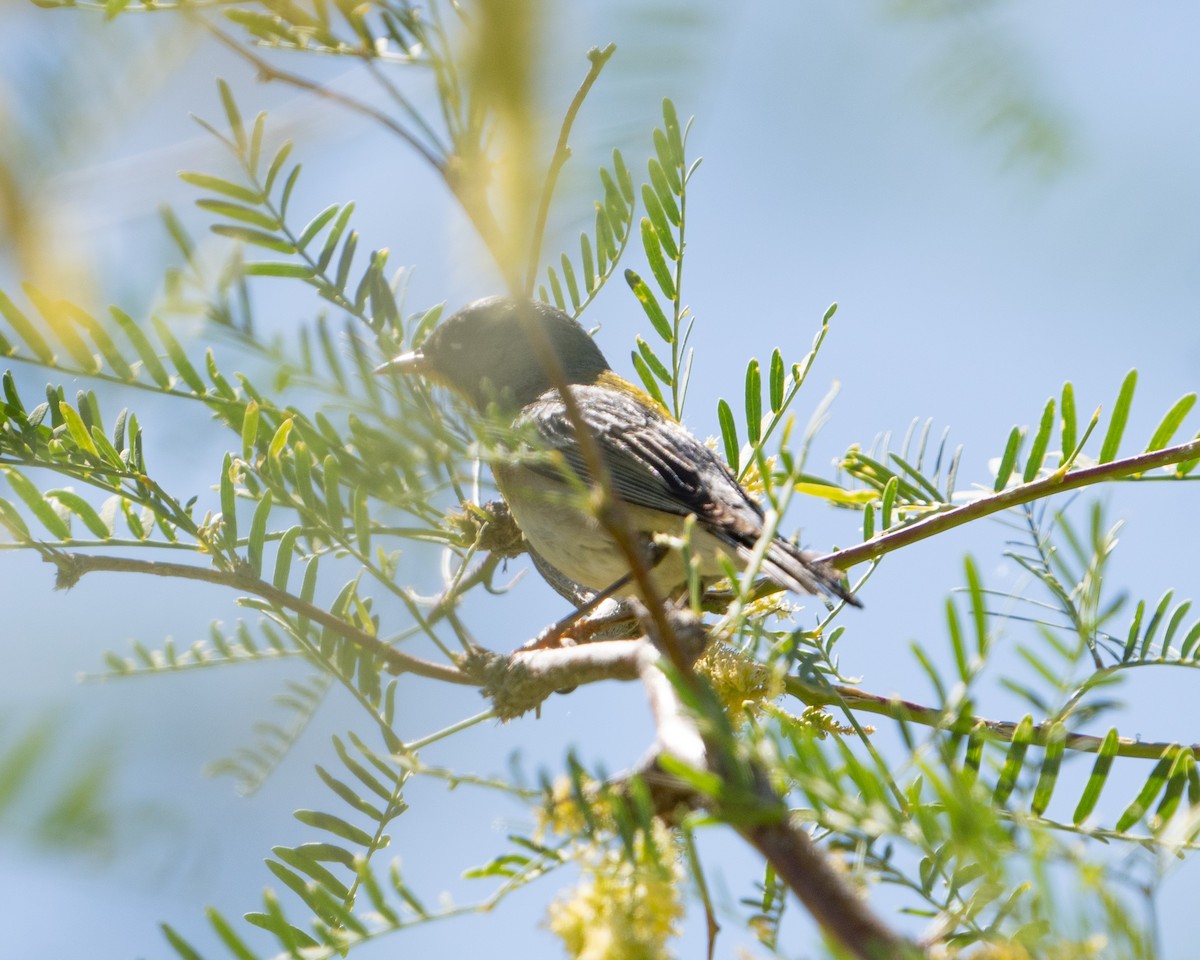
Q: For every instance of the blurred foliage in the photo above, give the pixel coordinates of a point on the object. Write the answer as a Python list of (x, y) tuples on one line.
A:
[(989, 84)]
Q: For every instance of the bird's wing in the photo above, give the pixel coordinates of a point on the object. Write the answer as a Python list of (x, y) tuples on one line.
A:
[(652, 461)]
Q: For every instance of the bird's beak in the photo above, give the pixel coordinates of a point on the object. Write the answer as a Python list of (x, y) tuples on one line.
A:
[(413, 362)]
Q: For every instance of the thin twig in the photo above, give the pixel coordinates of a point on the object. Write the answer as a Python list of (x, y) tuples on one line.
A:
[(72, 566), (562, 152), (267, 73), (1013, 497), (822, 695)]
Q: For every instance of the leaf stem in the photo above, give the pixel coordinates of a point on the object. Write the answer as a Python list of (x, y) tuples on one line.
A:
[(73, 566), (562, 153), (1011, 497), (852, 698)]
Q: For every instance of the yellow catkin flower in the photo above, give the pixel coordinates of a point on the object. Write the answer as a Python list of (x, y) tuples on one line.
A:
[(623, 908), (561, 813), (739, 680)]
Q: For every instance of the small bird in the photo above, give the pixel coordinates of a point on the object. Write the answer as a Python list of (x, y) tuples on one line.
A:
[(487, 354)]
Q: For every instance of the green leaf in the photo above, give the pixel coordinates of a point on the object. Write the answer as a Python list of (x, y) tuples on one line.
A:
[(1177, 779), (556, 290), (349, 796), (362, 521), (232, 115), (231, 940), (1037, 453), (1120, 416), (614, 202), (254, 154), (653, 362), (674, 135), (178, 944), (649, 304), (277, 164), (1068, 420), (235, 211), (1007, 780), (888, 501), (1156, 618), (662, 190), (1055, 745), (670, 162), (1100, 770), (83, 510), (228, 503), (256, 238), (56, 319), (1171, 422), (1150, 789), (34, 500), (729, 435), (333, 496), (283, 557), (753, 401), (978, 607), (258, 533), (296, 859), (624, 177), (1009, 460), (133, 333), (289, 185), (26, 330), (280, 439), (334, 237), (776, 381), (588, 261), (316, 225), (606, 242), (299, 271), (78, 430), (250, 418), (572, 283), (662, 229), (179, 357), (346, 260), (954, 628), (206, 182), (335, 825), (654, 256), (647, 378), (102, 340), (1190, 642)]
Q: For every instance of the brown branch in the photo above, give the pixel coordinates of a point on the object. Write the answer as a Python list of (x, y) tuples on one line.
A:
[(597, 58), (519, 682), (1012, 497), (73, 566), (818, 695), (748, 803), (825, 893)]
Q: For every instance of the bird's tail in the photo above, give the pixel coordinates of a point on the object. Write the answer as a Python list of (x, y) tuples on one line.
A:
[(803, 572)]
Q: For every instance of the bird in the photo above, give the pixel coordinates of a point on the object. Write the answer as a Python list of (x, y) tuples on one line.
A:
[(499, 354)]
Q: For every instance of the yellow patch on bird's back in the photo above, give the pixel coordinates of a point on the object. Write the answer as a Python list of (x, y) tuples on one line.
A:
[(613, 381)]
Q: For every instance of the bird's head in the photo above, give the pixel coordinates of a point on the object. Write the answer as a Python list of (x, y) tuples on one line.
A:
[(492, 350)]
